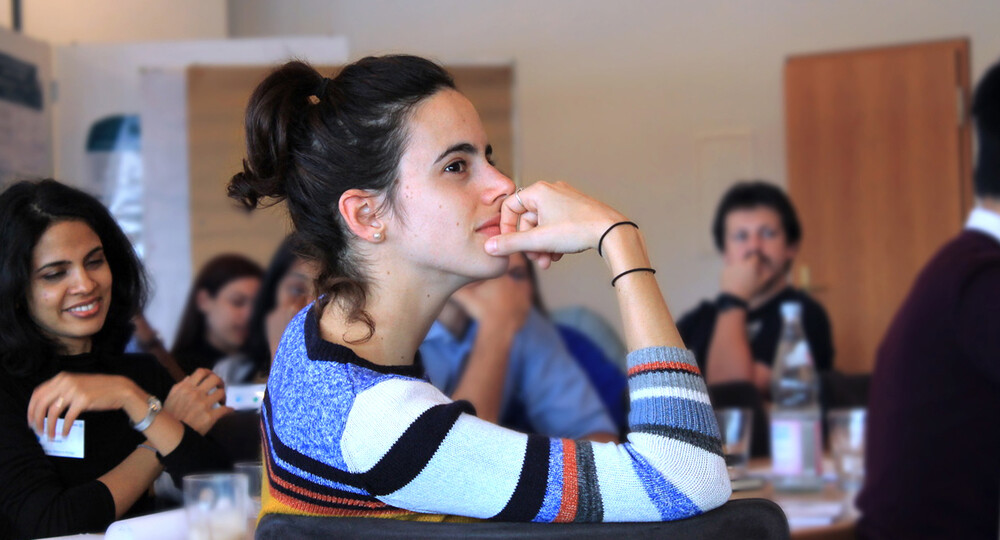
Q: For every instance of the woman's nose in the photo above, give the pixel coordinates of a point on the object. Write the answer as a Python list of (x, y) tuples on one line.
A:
[(83, 283), (501, 185)]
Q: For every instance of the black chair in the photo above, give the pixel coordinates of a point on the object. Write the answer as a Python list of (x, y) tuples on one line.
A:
[(749, 519), (745, 394)]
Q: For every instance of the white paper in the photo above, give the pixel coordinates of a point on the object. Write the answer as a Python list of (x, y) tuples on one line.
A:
[(171, 525), (70, 446)]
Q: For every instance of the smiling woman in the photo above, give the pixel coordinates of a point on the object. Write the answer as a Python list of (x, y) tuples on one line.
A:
[(71, 285), (84, 431)]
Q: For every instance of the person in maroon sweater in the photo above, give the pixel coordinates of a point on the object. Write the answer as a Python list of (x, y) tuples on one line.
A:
[(933, 434)]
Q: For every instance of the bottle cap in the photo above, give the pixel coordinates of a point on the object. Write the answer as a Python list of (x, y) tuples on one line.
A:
[(791, 310)]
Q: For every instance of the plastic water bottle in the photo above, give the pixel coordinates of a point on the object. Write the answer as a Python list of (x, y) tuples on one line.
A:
[(796, 439)]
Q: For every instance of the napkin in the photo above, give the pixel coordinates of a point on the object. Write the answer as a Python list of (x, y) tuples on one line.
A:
[(170, 525)]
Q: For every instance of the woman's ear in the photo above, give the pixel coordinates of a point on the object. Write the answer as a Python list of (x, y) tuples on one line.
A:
[(358, 208), (203, 300)]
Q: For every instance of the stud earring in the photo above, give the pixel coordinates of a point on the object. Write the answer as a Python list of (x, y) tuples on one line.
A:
[(377, 236)]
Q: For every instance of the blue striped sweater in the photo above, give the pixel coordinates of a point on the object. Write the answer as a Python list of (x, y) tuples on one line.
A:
[(345, 437)]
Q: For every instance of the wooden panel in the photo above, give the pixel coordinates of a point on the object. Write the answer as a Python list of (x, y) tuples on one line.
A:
[(217, 98), (878, 166)]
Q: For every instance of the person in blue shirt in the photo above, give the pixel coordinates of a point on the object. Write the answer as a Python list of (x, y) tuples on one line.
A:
[(490, 346)]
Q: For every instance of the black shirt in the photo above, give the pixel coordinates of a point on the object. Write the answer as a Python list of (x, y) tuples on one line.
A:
[(763, 329), (42, 495)]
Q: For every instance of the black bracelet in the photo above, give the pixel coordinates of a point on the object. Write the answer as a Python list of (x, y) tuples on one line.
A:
[(601, 241), (629, 272), (726, 301)]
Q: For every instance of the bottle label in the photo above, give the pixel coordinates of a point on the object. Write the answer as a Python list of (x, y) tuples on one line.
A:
[(799, 356), (786, 447)]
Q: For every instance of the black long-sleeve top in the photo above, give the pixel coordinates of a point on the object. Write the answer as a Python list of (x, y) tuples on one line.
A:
[(42, 495)]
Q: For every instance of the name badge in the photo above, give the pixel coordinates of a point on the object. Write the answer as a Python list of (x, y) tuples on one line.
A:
[(70, 446)]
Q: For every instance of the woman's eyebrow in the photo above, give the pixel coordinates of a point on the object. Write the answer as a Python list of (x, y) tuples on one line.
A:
[(464, 147)]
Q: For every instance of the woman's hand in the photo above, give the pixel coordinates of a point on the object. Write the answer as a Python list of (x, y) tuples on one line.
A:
[(546, 220), (74, 393), (198, 400)]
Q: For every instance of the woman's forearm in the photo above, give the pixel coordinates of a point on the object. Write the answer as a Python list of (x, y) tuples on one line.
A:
[(131, 478), (645, 317)]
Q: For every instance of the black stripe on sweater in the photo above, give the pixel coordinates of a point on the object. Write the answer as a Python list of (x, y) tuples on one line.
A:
[(302, 461), (705, 442), (414, 448), (589, 508), (526, 501)]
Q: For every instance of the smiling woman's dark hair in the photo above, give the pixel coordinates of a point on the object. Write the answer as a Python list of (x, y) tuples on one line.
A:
[(310, 139), (27, 210)]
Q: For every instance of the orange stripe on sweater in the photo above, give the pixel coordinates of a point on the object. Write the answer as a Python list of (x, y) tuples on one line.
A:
[(654, 366), (312, 494), (567, 509)]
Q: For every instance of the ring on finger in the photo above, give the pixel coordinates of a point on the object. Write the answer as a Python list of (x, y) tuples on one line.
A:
[(518, 197), (59, 402)]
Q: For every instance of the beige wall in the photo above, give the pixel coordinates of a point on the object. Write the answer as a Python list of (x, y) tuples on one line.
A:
[(5, 14), (621, 98), (61, 22)]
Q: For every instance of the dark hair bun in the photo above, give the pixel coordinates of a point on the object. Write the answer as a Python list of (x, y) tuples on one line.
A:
[(273, 130)]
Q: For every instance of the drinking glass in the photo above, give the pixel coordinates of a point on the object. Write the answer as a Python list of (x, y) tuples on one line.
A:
[(253, 471), (847, 446), (734, 426), (216, 506)]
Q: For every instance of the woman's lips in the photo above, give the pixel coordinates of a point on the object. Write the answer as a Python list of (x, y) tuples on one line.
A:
[(490, 228), (85, 310)]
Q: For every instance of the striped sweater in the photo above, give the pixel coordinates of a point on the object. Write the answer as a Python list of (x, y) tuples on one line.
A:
[(345, 437)]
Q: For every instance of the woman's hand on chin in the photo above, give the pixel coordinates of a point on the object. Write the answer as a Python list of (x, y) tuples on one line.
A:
[(546, 220), (198, 400)]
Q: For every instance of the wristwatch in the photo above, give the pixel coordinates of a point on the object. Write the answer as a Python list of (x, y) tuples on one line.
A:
[(726, 301), (155, 406)]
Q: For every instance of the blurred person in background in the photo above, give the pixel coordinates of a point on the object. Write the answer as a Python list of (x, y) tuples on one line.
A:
[(70, 284), (932, 451), (215, 320), (288, 285), (735, 336), (493, 346)]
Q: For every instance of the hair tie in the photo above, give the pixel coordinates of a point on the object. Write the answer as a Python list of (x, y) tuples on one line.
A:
[(601, 241)]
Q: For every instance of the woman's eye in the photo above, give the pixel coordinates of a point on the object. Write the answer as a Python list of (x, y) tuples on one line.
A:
[(456, 167), (54, 276), (96, 263)]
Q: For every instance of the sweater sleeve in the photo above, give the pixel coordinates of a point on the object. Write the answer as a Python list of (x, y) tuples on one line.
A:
[(33, 500), (977, 320), (196, 453), (431, 457)]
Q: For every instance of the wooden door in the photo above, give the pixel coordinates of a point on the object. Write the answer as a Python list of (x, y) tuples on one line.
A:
[(217, 99), (879, 167)]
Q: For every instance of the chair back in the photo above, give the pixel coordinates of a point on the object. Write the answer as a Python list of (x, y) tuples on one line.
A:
[(743, 519)]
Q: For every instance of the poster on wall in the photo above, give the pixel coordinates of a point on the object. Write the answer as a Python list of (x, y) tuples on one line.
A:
[(24, 129)]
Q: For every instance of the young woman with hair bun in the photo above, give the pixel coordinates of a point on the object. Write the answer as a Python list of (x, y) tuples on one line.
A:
[(388, 178)]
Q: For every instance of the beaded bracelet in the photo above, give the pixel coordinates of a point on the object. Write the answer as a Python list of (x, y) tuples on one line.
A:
[(601, 241), (629, 272)]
